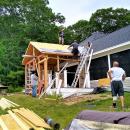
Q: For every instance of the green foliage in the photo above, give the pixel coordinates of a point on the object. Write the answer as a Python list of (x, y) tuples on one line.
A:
[(15, 78), (103, 20), (109, 20), (21, 22), (12, 89), (81, 30)]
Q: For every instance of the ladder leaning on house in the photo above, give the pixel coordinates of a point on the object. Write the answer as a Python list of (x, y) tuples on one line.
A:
[(84, 58)]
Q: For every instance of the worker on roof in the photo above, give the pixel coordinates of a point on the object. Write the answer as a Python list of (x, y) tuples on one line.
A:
[(117, 75), (74, 46), (83, 48), (61, 37)]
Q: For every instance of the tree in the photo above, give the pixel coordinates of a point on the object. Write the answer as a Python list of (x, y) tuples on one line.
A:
[(109, 20), (20, 22), (78, 31)]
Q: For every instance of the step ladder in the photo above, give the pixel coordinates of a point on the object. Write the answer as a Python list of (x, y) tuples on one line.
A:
[(84, 58)]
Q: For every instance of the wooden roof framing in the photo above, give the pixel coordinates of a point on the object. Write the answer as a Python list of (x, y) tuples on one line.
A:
[(46, 56)]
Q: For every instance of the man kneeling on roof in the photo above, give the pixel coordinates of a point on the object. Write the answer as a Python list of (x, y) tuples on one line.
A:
[(74, 46), (117, 75), (79, 49)]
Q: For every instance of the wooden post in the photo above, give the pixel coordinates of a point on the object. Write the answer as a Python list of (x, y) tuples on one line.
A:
[(46, 72), (58, 64), (25, 76), (39, 70), (34, 58), (65, 78)]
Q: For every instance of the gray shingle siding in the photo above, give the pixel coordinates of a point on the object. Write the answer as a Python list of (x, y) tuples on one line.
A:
[(115, 38)]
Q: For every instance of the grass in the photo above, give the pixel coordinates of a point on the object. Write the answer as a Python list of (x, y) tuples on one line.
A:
[(59, 111)]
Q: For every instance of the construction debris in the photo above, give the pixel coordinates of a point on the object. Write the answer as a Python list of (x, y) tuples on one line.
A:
[(90, 97), (5, 103), (22, 119)]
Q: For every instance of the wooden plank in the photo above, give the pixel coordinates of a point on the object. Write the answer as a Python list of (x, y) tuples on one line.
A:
[(10, 122), (41, 61), (29, 123), (22, 124), (3, 125), (11, 102), (65, 59), (58, 64), (32, 117), (34, 58), (46, 72)]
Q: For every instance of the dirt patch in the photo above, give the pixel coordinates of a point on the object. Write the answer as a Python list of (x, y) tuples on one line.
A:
[(91, 97)]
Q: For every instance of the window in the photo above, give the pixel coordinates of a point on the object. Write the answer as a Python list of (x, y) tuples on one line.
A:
[(124, 59), (99, 68)]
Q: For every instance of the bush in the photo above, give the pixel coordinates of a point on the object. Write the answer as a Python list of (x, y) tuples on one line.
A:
[(12, 89), (15, 78)]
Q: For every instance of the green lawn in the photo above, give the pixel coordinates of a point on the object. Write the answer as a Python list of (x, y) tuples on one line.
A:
[(57, 110)]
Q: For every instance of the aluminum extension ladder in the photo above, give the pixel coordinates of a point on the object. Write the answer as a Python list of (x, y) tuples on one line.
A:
[(80, 67)]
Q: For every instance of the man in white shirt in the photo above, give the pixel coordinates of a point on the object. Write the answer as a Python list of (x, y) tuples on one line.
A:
[(34, 83), (117, 75)]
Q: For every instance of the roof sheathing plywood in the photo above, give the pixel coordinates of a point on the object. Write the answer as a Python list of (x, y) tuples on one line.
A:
[(46, 48)]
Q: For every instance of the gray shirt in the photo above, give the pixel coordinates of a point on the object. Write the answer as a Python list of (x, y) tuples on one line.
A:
[(74, 45)]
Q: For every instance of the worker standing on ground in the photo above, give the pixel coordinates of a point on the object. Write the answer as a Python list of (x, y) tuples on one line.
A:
[(34, 83), (117, 75), (74, 46), (61, 37)]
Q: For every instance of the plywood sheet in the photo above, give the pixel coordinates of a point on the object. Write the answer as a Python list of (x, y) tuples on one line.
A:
[(49, 46), (32, 117), (10, 122)]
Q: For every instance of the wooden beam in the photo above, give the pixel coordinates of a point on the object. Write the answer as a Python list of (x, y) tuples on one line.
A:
[(46, 72), (39, 62), (28, 56), (34, 59), (25, 76), (29, 62), (39, 70), (58, 64), (75, 60)]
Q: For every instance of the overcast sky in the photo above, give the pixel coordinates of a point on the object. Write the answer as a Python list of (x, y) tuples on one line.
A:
[(75, 10)]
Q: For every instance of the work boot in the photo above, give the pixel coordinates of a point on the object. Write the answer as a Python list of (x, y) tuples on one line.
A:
[(114, 105)]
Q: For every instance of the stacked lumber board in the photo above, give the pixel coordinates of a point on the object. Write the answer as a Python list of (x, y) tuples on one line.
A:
[(5, 103), (22, 119)]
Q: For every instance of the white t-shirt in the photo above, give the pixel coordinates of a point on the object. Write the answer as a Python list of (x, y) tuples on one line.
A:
[(82, 49), (34, 79), (117, 73)]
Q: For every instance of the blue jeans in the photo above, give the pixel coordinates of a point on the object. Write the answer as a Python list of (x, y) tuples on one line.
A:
[(34, 90)]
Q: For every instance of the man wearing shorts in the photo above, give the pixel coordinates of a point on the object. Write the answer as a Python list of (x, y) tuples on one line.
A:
[(61, 37), (117, 75)]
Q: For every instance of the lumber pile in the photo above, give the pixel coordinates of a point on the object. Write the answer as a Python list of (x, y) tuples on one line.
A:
[(5, 103), (22, 119)]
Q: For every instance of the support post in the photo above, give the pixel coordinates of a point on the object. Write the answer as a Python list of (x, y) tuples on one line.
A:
[(46, 72), (58, 64), (33, 58), (87, 81), (50, 77), (25, 76), (109, 61), (65, 78), (57, 79)]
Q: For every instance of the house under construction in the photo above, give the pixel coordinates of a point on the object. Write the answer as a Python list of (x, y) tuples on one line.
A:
[(51, 62)]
